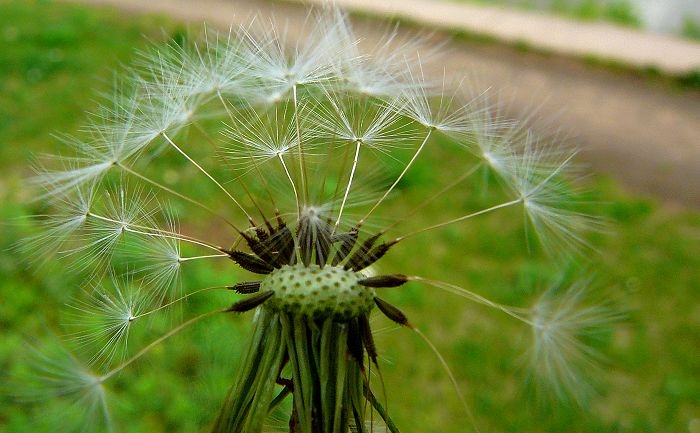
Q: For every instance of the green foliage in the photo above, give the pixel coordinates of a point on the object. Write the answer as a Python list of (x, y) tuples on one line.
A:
[(691, 29), (614, 11), (618, 12), (649, 257)]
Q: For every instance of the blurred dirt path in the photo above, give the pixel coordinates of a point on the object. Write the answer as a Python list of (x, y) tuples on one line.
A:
[(644, 134)]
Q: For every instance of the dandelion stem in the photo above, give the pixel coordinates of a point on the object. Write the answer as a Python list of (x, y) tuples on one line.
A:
[(352, 175), (199, 167), (462, 218), (343, 167), (384, 413), (156, 342), (398, 179)]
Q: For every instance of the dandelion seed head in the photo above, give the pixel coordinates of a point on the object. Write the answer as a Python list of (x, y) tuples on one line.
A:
[(315, 136)]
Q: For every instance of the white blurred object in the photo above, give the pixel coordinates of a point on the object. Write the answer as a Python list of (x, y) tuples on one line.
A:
[(666, 16)]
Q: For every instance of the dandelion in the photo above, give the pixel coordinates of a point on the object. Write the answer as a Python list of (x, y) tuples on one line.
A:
[(561, 326), (53, 372), (104, 319), (319, 136)]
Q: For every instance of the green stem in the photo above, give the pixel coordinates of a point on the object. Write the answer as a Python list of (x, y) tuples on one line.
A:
[(382, 412)]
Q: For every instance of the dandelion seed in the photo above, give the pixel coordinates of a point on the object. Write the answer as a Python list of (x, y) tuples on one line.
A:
[(379, 71), (279, 69), (164, 108), (537, 177), (104, 319), (445, 113), (163, 261), (359, 120), (116, 124), (561, 358), (101, 234), (89, 165), (53, 372), (495, 140), (217, 67), (257, 138), (57, 228)]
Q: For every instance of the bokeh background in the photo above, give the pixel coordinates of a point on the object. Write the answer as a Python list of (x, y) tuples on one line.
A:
[(55, 56), (676, 17)]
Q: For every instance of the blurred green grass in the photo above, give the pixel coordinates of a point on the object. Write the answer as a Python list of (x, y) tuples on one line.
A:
[(54, 56), (622, 12)]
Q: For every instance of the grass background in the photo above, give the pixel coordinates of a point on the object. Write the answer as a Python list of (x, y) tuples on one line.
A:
[(52, 60)]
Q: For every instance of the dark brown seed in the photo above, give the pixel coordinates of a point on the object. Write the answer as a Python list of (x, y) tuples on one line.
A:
[(355, 340), (250, 303), (367, 338), (246, 288), (262, 233), (393, 280), (313, 238), (392, 312), (323, 244), (283, 243), (368, 259), (260, 248), (347, 242), (304, 236), (249, 262), (359, 255)]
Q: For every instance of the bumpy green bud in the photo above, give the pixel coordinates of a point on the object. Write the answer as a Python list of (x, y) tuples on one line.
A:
[(318, 292)]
